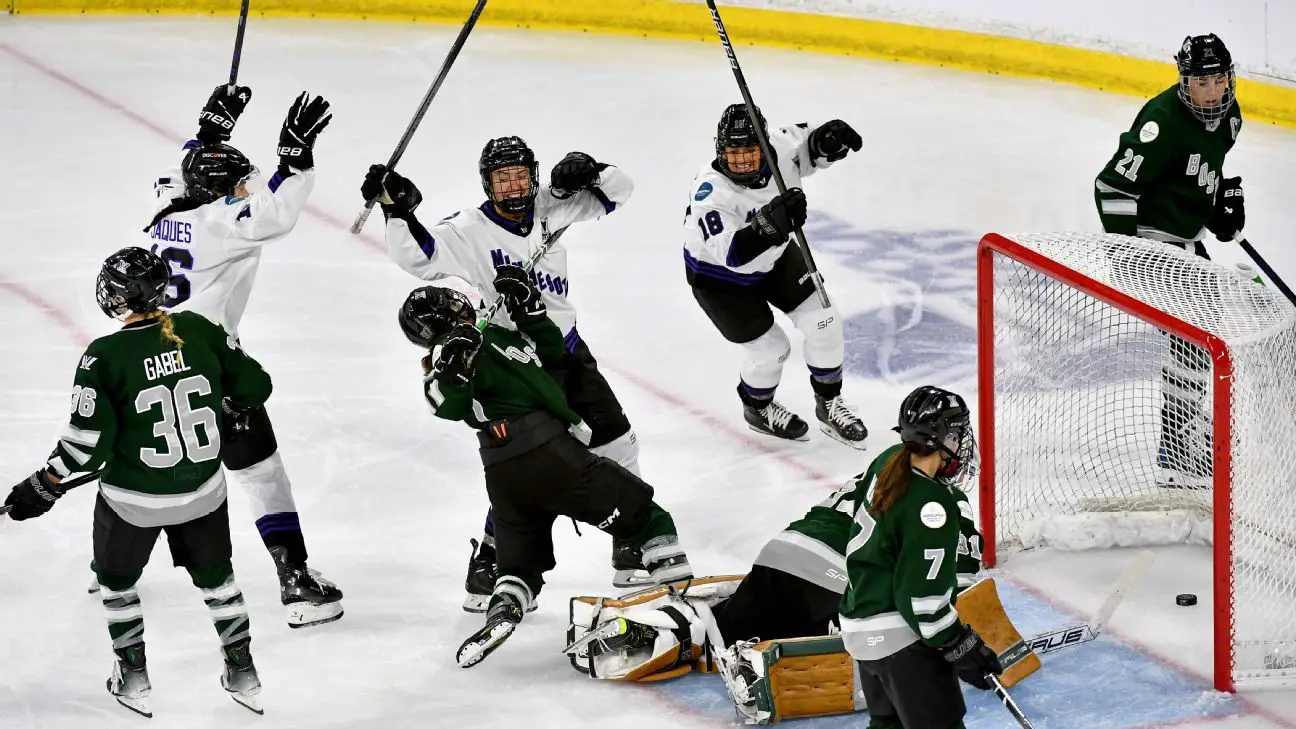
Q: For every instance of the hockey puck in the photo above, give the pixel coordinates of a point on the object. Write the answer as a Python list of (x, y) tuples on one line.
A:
[(1186, 599)]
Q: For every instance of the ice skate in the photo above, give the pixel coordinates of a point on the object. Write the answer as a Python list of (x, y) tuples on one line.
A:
[(627, 563), (614, 635), (838, 422), (502, 619), (129, 683), (480, 582), (776, 420), (240, 678), (309, 598)]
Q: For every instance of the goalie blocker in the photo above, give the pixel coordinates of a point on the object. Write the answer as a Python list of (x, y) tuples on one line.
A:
[(666, 632)]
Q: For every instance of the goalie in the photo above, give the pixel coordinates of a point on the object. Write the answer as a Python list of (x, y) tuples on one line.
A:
[(794, 590)]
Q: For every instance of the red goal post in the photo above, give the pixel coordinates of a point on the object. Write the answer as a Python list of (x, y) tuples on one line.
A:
[(1131, 393)]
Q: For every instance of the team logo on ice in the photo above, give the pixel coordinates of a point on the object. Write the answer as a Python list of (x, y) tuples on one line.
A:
[(933, 515), (703, 191)]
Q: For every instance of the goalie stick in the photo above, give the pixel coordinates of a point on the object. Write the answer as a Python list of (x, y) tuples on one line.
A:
[(66, 485), (359, 223), (1008, 703)]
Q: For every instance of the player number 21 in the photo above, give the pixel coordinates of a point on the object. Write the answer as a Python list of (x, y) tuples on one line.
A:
[(1132, 161)]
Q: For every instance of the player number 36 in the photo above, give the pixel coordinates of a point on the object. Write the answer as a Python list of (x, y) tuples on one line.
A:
[(83, 401)]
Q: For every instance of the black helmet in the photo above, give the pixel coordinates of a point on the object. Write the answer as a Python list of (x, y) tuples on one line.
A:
[(735, 130), (211, 171), (936, 419), (430, 311), (131, 280), (509, 152), (1205, 55)]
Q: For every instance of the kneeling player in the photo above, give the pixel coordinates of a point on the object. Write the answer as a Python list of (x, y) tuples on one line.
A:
[(536, 468)]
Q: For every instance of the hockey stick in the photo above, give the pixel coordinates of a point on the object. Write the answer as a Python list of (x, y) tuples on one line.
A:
[(359, 223), (1268, 271), (1083, 633), (66, 486), (766, 157), (549, 239), (1008, 703), (238, 45)]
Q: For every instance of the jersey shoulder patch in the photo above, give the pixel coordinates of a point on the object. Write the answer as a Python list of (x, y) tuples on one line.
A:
[(932, 514), (704, 191), (1149, 131)]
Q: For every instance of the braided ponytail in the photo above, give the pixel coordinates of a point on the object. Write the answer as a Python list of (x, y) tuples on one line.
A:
[(168, 327)]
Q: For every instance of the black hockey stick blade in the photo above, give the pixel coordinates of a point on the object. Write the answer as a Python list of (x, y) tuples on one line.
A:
[(67, 486), (1268, 270), (359, 223)]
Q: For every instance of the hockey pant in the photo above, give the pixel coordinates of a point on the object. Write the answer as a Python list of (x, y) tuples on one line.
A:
[(252, 458), (743, 315), (771, 604), (538, 472), (201, 546), (913, 688)]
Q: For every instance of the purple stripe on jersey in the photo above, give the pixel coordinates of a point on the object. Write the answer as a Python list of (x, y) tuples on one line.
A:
[(489, 529), (731, 257), (277, 179), (720, 273), (826, 374), (571, 341), (272, 529), (425, 241), (520, 228), (192, 144), (608, 205)]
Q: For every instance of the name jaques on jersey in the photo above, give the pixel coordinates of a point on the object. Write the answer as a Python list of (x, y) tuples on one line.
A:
[(473, 242), (214, 250), (718, 208)]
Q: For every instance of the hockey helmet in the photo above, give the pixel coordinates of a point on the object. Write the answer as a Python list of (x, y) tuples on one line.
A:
[(939, 420), (211, 171), (1205, 55), (132, 280), (431, 311), (509, 152), (735, 130)]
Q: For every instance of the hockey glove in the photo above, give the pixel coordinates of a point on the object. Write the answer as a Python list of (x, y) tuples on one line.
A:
[(576, 171), (221, 112), (971, 658), (776, 220), (830, 141), (397, 195), (455, 358), (34, 496), (521, 297), (1230, 210), (306, 119), (235, 419)]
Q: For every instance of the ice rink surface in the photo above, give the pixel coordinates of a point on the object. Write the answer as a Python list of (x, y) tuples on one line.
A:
[(95, 108)]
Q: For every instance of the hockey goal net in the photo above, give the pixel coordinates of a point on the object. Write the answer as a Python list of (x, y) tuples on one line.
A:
[(1134, 394)]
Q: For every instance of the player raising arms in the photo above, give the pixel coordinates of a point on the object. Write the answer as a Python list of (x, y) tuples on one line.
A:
[(211, 230), (739, 263)]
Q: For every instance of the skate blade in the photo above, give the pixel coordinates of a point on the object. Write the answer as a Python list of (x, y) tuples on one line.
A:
[(474, 650), (248, 701), (610, 629), (831, 432), (138, 705), (635, 578), (762, 431), (305, 615)]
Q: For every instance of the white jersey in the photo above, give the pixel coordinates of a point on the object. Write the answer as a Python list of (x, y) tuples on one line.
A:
[(473, 242), (720, 207), (214, 249)]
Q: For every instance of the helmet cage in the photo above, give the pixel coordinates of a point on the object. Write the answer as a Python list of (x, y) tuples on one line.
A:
[(735, 130), (131, 281), (1200, 56), (509, 152)]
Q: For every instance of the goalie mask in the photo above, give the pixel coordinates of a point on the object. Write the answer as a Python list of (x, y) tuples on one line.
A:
[(212, 171), (132, 280), (431, 311), (1207, 83), (736, 140), (939, 420), (509, 172)]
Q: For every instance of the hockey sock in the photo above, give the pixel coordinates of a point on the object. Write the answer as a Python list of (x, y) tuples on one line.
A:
[(224, 603), (283, 530), (826, 383), (123, 610)]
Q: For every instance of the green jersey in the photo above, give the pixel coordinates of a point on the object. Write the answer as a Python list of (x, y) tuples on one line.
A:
[(146, 413), (509, 379), (903, 567), (814, 546), (1162, 180)]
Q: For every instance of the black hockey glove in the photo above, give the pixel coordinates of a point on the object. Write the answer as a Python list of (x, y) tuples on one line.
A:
[(1230, 210), (221, 112), (776, 220), (397, 195), (34, 496), (521, 297), (971, 658), (235, 419), (830, 141), (576, 171), (455, 360), (306, 119)]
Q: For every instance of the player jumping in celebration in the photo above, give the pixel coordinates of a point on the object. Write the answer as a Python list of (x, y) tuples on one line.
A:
[(519, 215), (533, 446), (211, 230), (897, 618), (1166, 182), (144, 406), (739, 263)]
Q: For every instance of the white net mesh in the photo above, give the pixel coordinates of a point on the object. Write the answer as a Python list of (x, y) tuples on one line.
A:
[(1103, 422)]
